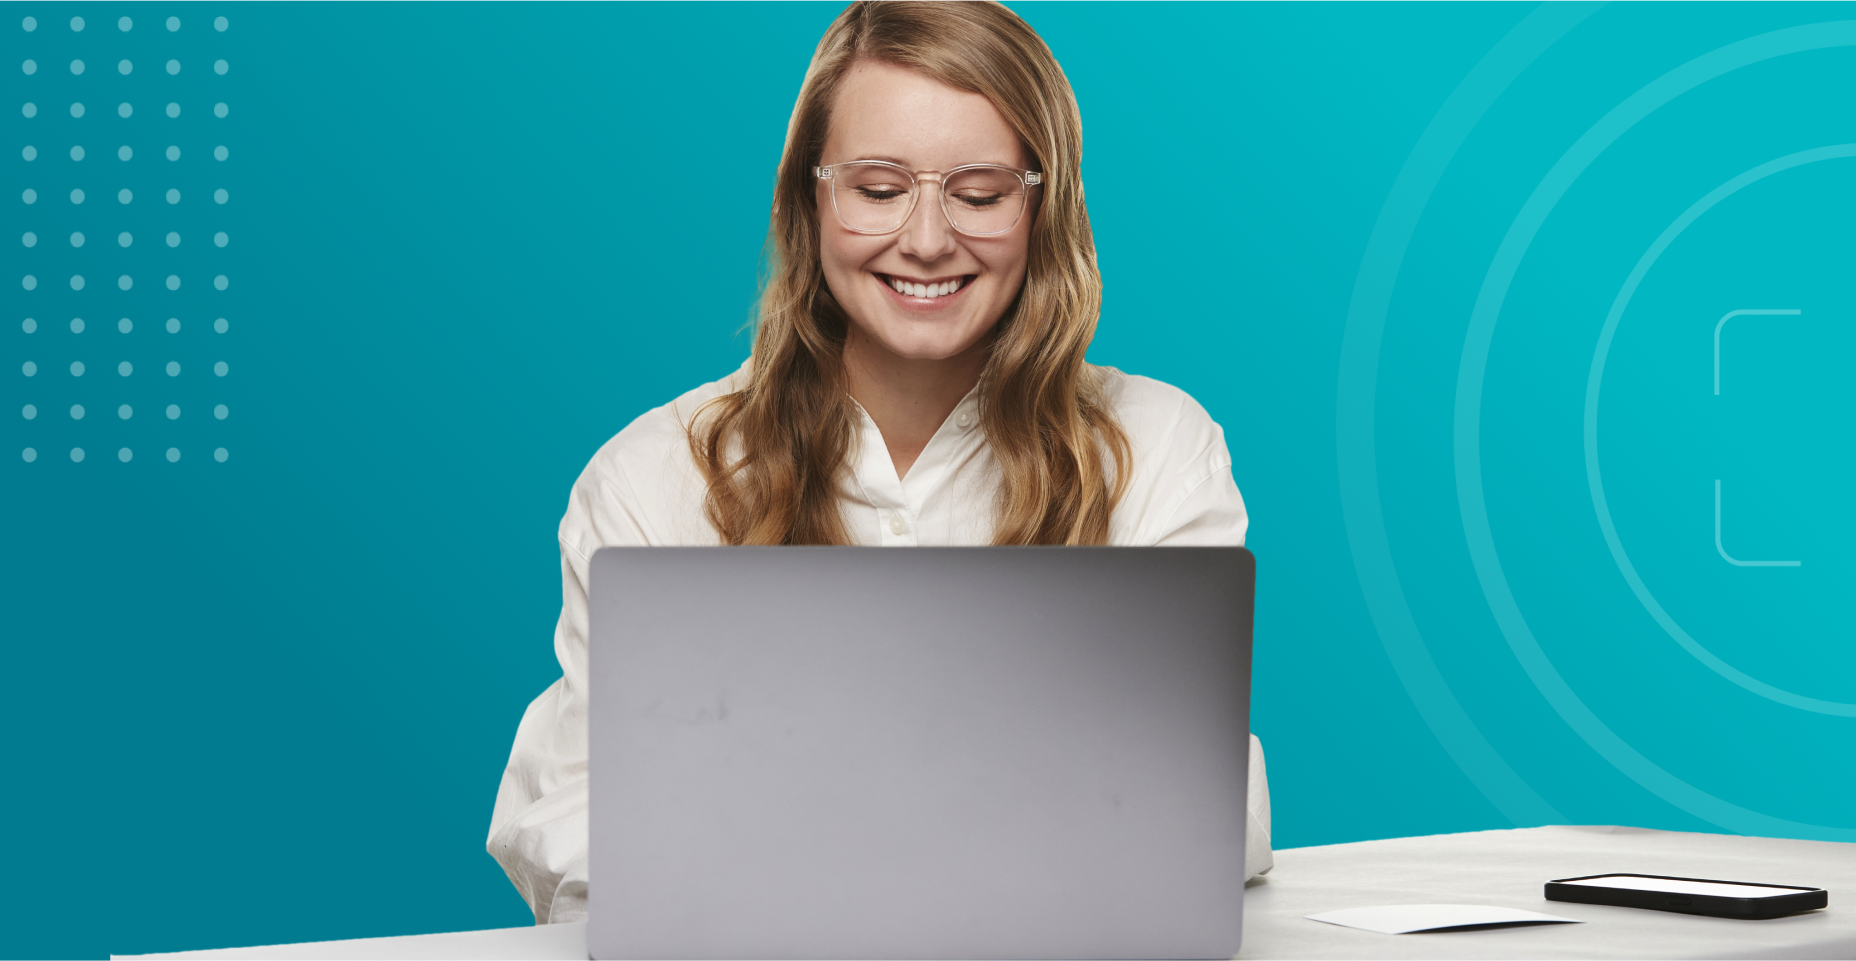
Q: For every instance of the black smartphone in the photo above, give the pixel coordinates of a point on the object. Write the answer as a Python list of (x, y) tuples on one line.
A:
[(1719, 899)]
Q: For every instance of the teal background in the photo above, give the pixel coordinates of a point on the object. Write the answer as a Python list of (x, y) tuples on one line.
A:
[(269, 699)]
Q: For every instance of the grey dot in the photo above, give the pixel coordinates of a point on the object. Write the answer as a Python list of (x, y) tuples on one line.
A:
[(123, 196), (123, 153), (29, 282), (219, 326), (32, 240), (220, 110), (125, 412), (77, 455), (124, 67), (77, 110), (77, 67), (173, 67), (77, 281), (173, 111), (124, 239), (220, 455), (124, 24), (30, 67), (220, 282), (219, 153), (173, 325), (77, 239), (173, 412), (173, 368), (221, 369), (29, 24), (125, 325), (173, 196), (173, 454), (29, 325), (77, 411), (77, 368), (77, 196), (124, 455), (30, 196), (125, 281), (30, 109), (220, 67), (29, 455), (219, 196), (31, 153), (77, 325), (220, 24), (77, 23), (123, 110), (29, 368), (28, 412), (173, 24), (173, 282), (221, 412), (125, 368), (77, 153), (173, 239)]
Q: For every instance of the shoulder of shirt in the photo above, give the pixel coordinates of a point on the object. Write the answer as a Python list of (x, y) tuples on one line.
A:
[(1150, 410)]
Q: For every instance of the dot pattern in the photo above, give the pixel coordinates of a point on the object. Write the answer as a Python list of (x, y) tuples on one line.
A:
[(184, 71)]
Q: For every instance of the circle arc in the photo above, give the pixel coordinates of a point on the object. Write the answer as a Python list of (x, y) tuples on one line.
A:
[(1594, 382), (1356, 395), (1467, 429)]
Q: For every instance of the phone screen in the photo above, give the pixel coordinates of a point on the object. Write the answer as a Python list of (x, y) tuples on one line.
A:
[(1721, 889)]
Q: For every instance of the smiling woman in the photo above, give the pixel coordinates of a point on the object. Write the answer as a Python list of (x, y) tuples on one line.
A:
[(917, 376)]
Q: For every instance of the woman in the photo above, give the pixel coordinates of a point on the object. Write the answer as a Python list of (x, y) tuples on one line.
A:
[(917, 375)]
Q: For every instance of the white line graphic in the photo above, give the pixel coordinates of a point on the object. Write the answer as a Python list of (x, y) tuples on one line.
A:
[(1717, 341), (1717, 533)]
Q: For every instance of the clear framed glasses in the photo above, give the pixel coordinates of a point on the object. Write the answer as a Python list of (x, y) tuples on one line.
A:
[(876, 196)]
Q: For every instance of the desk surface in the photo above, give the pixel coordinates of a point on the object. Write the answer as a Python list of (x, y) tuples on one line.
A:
[(1504, 868)]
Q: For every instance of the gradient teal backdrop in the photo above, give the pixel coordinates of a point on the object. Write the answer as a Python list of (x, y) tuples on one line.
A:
[(1450, 276)]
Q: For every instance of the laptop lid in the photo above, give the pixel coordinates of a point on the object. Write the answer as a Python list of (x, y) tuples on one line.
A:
[(828, 752)]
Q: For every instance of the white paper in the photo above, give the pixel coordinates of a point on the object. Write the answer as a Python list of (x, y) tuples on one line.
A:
[(1406, 918)]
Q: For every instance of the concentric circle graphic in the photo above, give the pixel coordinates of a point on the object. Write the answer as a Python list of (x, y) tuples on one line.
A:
[(1482, 323), (1357, 396)]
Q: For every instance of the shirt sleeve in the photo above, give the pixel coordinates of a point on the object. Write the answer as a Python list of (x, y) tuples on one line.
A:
[(538, 831)]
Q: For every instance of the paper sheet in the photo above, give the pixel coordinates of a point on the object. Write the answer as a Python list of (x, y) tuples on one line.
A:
[(1406, 918)]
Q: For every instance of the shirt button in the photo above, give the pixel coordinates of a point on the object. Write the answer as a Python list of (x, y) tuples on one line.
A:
[(963, 419), (897, 525)]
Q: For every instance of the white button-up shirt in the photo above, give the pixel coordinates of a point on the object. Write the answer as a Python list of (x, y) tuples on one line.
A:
[(643, 488)]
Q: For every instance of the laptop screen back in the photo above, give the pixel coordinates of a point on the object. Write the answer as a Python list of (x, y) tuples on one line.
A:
[(918, 753)]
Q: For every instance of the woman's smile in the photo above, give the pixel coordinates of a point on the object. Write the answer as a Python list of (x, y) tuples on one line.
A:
[(916, 293)]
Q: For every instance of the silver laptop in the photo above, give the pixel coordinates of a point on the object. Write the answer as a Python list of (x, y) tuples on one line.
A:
[(953, 753)]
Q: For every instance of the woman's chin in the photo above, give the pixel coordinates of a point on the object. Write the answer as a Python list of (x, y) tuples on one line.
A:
[(917, 341)]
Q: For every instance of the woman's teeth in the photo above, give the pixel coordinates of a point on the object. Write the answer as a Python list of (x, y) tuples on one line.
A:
[(924, 290)]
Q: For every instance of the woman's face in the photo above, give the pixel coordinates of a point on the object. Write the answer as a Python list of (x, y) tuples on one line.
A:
[(885, 112)]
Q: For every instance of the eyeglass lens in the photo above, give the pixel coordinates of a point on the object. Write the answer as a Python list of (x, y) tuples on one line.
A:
[(878, 198)]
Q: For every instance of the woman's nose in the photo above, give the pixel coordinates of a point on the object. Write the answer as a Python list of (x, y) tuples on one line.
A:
[(927, 235)]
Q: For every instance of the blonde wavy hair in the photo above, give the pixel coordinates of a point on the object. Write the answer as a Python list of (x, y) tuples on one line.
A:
[(774, 452)]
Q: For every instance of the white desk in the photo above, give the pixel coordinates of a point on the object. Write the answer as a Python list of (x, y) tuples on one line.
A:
[(1505, 868)]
